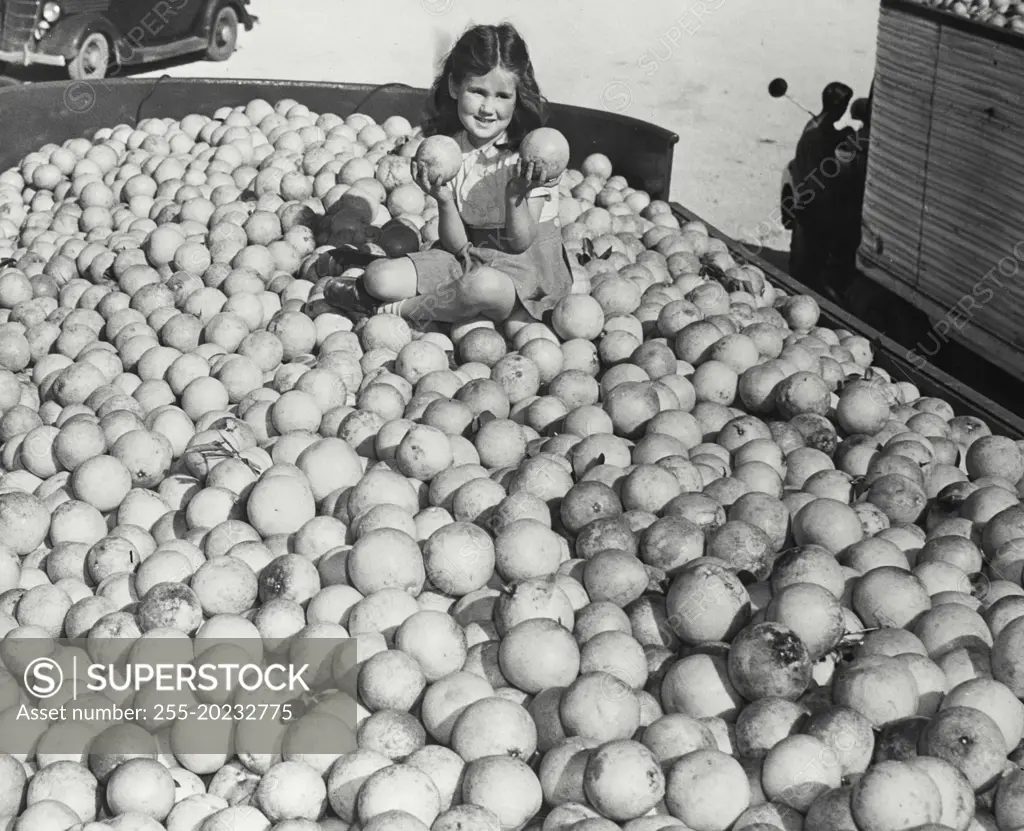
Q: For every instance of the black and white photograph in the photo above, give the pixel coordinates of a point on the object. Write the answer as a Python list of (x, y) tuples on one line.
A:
[(511, 416)]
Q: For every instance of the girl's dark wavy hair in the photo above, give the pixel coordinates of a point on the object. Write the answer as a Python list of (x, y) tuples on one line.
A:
[(477, 52)]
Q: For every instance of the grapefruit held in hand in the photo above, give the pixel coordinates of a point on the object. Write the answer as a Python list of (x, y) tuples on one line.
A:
[(547, 150), (440, 157)]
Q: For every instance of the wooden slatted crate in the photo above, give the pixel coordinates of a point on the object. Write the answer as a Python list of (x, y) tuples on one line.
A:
[(907, 52), (943, 218)]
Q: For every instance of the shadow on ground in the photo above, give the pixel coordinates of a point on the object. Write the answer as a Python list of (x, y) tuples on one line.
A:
[(37, 74)]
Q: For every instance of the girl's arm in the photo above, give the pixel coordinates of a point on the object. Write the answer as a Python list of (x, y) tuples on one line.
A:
[(451, 230), (523, 208)]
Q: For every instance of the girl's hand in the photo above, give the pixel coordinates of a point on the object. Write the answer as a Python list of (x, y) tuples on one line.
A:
[(465, 259), (443, 193), (529, 172), (526, 179)]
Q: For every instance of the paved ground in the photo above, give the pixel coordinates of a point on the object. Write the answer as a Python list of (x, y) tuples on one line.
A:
[(697, 67)]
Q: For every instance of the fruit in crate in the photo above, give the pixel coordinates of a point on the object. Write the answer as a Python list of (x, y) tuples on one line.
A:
[(1003, 14)]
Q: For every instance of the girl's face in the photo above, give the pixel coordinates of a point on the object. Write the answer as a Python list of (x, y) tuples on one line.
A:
[(486, 104)]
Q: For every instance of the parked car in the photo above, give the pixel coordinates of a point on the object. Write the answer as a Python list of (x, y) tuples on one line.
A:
[(92, 38)]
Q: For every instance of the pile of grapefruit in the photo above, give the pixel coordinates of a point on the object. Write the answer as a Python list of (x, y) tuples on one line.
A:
[(1003, 14), (680, 557)]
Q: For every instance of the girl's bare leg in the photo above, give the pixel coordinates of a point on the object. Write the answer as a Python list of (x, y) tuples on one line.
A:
[(486, 293), (382, 282), (390, 280)]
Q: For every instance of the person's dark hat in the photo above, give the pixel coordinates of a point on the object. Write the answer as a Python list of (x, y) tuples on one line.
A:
[(836, 97)]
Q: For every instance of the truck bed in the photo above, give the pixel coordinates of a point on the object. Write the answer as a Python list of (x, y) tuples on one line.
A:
[(889, 354), (34, 115)]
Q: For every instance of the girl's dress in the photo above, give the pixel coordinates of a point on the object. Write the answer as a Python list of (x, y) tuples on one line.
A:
[(542, 274)]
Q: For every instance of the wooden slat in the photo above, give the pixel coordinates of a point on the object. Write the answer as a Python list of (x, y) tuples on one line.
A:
[(950, 323), (907, 51), (944, 202), (975, 203)]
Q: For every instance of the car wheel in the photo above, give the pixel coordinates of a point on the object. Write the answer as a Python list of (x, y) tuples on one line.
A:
[(223, 35), (92, 60)]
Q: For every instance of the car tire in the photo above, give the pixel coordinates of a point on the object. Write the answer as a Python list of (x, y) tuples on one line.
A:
[(223, 35), (92, 60)]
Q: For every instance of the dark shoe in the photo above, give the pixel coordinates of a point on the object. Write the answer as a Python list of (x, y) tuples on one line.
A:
[(348, 295), (348, 256)]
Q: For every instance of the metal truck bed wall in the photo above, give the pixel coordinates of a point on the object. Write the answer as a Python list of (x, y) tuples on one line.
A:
[(31, 116)]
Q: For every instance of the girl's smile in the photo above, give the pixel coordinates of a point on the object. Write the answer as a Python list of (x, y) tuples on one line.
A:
[(486, 104)]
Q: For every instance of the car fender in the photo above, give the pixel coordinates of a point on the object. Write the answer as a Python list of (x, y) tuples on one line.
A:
[(66, 36), (214, 6)]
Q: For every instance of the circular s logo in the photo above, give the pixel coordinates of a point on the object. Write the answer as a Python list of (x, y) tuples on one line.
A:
[(79, 97), (437, 7), (44, 678), (616, 96)]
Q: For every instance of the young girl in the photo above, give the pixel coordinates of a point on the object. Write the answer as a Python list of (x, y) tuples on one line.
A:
[(494, 213)]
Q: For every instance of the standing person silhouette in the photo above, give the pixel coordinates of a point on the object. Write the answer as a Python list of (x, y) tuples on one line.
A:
[(822, 162)]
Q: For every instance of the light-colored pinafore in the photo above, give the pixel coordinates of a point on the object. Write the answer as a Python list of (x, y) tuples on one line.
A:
[(542, 274)]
